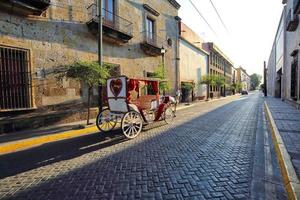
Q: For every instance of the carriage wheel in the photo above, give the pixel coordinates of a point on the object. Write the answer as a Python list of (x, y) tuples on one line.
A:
[(106, 121), (132, 124), (169, 115)]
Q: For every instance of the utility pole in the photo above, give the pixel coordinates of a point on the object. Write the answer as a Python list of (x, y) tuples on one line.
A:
[(100, 49), (265, 79)]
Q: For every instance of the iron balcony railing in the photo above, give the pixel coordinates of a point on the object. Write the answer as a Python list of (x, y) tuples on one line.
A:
[(154, 40), (111, 20), (40, 4)]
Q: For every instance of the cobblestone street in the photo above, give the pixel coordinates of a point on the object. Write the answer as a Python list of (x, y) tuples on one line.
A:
[(225, 153)]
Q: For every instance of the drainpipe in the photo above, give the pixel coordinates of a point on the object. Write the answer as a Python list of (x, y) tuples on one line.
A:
[(177, 52)]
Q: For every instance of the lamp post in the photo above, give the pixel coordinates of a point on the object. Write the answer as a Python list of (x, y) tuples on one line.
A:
[(163, 52), (100, 49)]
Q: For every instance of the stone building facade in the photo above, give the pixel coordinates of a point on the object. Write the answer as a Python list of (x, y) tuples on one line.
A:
[(193, 62), (291, 60), (234, 78), (244, 79), (283, 74), (276, 61), (219, 64), (38, 37)]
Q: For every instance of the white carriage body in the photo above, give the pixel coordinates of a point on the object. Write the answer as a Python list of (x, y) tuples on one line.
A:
[(116, 94)]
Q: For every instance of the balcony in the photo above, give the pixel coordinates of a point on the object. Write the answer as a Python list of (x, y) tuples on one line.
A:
[(115, 28), (292, 22), (296, 7), (25, 7), (152, 44)]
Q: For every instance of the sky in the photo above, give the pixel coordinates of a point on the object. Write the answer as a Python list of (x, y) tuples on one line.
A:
[(250, 30)]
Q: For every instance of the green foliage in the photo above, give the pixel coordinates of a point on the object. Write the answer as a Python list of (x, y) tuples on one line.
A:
[(233, 86), (164, 86), (208, 80), (90, 73), (239, 86), (236, 86), (187, 86), (160, 73), (220, 80), (213, 80), (255, 80)]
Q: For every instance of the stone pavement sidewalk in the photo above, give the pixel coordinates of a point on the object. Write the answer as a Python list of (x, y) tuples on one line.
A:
[(287, 119)]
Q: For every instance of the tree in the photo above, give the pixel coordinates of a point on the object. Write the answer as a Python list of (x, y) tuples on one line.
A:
[(233, 88), (220, 81), (90, 73), (160, 73), (236, 87), (255, 81), (208, 80)]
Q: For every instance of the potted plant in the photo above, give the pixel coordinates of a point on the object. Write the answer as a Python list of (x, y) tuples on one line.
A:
[(186, 88)]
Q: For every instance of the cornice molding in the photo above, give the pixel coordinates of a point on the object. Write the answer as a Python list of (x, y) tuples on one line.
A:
[(151, 10)]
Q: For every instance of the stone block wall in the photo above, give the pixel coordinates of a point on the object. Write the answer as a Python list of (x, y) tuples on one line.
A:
[(292, 42), (60, 37)]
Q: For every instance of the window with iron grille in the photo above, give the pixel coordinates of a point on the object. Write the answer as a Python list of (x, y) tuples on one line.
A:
[(15, 79)]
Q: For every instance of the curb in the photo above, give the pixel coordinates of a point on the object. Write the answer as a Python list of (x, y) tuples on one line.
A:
[(19, 145), (290, 179)]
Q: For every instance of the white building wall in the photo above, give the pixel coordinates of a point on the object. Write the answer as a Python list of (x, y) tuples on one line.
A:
[(193, 65)]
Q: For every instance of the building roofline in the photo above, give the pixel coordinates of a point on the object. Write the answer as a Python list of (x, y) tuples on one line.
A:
[(242, 69), (217, 49), (193, 45), (277, 30), (190, 31)]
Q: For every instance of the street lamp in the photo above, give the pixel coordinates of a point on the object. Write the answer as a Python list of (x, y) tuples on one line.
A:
[(100, 49), (163, 52)]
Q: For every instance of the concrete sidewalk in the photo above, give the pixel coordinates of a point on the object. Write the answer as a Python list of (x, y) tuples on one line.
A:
[(285, 123), (12, 142)]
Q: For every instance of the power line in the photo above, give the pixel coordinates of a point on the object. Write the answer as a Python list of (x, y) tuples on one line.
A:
[(211, 2), (210, 27)]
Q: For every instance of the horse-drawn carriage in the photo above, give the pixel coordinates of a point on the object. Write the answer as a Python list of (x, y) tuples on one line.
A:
[(126, 105)]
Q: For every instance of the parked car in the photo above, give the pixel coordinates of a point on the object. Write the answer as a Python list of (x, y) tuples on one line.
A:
[(244, 92)]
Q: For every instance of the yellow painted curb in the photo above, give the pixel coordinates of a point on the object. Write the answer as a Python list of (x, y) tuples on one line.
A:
[(290, 179), (28, 143)]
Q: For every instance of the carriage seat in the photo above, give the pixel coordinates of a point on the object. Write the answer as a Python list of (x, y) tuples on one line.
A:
[(146, 102)]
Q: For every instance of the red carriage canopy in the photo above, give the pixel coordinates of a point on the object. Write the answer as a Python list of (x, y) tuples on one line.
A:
[(133, 84)]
